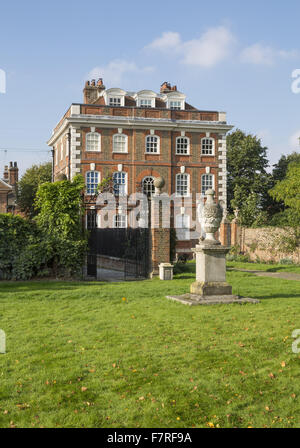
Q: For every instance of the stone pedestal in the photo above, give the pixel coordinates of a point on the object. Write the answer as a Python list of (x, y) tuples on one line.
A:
[(211, 271), (210, 287), (166, 271)]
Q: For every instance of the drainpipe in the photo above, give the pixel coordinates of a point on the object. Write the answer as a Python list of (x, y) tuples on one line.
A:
[(52, 152), (69, 153)]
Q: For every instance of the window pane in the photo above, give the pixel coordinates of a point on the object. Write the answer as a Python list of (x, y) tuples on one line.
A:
[(119, 183), (152, 144), (120, 143), (182, 184), (182, 145), (207, 183), (207, 146), (148, 186), (176, 105), (93, 141), (92, 181), (120, 221), (145, 103), (183, 227), (115, 101)]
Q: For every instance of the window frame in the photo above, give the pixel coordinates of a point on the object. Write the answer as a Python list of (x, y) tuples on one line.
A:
[(178, 175), (99, 141), (188, 146), (213, 146), (148, 193), (212, 183), (186, 230), (149, 136), (118, 215), (119, 173), (86, 182), (126, 143), (113, 98)]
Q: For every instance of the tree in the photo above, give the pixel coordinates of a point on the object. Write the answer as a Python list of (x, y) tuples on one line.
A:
[(248, 180), (60, 210), (280, 169), (29, 184), (288, 190)]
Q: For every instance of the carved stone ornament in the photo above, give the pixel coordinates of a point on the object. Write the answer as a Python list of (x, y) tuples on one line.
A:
[(211, 217)]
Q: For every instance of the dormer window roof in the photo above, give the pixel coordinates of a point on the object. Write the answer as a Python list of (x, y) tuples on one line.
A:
[(145, 98), (114, 97), (174, 100)]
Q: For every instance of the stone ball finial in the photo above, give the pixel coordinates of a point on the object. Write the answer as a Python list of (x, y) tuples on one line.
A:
[(159, 182)]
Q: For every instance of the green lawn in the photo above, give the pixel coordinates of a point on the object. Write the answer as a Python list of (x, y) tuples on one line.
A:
[(80, 356), (264, 267)]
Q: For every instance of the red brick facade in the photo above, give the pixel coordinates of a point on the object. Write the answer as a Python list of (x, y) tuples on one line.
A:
[(169, 117), (8, 185)]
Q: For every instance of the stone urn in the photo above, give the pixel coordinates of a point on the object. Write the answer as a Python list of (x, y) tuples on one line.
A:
[(211, 218)]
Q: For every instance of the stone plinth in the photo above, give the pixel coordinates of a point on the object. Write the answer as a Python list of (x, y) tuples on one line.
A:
[(211, 270), (210, 287), (166, 271)]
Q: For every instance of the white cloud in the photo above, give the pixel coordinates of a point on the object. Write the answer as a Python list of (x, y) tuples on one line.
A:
[(259, 54), (211, 48), (208, 50), (168, 40), (115, 70), (294, 141)]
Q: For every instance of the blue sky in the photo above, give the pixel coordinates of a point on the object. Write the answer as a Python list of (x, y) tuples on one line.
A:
[(233, 56)]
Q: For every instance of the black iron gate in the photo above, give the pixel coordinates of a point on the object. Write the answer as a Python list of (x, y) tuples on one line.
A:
[(121, 250)]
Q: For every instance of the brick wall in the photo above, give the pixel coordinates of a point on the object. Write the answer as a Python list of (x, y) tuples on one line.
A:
[(267, 244)]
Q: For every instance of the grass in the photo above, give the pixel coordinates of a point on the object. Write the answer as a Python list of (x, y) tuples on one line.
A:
[(264, 267), (80, 356)]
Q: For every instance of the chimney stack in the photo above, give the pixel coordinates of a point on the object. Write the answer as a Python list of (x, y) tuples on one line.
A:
[(5, 174), (13, 174), (91, 90), (166, 87)]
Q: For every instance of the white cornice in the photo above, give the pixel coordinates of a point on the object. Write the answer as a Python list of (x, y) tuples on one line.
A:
[(5, 184), (108, 121)]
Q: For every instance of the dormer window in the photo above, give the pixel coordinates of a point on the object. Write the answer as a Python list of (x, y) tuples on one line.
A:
[(174, 100), (114, 101), (175, 105), (146, 103), (114, 97), (145, 98)]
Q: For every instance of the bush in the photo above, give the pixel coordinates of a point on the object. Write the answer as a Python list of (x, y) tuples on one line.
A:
[(286, 261)]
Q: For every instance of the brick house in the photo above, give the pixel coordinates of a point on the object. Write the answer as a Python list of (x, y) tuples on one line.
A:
[(8, 186), (136, 137)]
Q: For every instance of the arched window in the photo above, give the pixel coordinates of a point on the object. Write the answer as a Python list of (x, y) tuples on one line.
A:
[(182, 145), (93, 141), (120, 221), (208, 146), (92, 181), (152, 144), (182, 184), (207, 183), (183, 227), (120, 143), (148, 186), (120, 183)]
